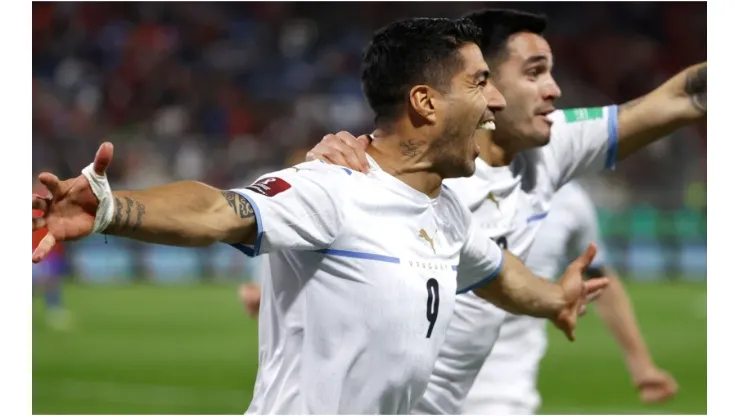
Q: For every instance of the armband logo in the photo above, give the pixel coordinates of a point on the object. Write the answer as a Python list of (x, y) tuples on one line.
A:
[(573, 115), (269, 186)]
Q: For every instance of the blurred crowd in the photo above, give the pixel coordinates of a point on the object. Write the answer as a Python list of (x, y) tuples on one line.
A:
[(223, 92)]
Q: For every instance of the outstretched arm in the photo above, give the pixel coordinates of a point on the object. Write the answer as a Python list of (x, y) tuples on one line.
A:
[(517, 290), (183, 214), (196, 214), (180, 214), (615, 309), (680, 101)]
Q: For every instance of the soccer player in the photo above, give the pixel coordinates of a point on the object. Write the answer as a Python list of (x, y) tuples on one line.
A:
[(507, 382), (365, 268), (47, 276), (532, 153)]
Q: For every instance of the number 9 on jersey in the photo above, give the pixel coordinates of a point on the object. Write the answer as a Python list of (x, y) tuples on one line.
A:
[(432, 304)]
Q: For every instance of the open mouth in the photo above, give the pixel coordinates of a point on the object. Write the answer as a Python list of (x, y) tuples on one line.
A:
[(487, 125)]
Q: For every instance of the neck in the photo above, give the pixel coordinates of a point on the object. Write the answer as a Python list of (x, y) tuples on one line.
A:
[(496, 149), (405, 156)]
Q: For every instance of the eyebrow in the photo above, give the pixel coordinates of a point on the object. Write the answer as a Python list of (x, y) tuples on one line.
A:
[(535, 59)]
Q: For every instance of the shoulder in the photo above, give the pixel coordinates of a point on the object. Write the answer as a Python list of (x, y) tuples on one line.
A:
[(303, 177), (318, 169), (456, 213)]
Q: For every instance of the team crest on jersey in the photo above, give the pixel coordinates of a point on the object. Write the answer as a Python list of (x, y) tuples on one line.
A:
[(423, 234), (269, 186)]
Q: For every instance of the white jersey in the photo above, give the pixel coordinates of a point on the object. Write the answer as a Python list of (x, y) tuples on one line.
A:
[(361, 283), (507, 382), (509, 204)]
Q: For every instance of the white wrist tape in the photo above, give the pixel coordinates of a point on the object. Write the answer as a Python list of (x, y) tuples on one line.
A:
[(101, 189)]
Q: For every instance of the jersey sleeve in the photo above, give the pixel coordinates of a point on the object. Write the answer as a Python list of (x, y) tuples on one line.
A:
[(586, 232), (583, 140), (299, 208), (480, 260)]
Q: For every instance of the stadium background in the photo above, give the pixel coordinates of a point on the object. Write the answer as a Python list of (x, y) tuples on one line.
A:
[(225, 92)]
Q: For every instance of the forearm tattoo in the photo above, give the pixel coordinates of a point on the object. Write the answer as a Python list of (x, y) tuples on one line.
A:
[(239, 204), (127, 215), (696, 88)]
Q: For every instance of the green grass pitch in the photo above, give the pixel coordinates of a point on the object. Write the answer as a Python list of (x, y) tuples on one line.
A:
[(190, 349)]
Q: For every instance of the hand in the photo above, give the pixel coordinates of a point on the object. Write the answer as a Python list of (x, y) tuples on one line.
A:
[(249, 294), (342, 149), (69, 214), (577, 292), (655, 385)]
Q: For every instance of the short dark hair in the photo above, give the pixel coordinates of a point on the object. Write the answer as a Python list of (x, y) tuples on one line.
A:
[(497, 25), (409, 52)]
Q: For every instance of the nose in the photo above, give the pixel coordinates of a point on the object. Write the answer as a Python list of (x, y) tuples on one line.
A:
[(551, 89), (495, 100)]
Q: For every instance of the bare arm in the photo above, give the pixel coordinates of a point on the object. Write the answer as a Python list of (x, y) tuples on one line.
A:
[(517, 290), (183, 214), (680, 101), (615, 309)]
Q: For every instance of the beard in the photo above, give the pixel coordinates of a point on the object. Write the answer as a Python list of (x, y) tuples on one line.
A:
[(453, 152)]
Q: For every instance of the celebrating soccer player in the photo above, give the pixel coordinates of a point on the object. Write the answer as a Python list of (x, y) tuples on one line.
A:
[(532, 153), (364, 269)]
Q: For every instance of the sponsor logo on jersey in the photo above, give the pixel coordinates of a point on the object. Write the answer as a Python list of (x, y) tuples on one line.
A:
[(423, 234), (269, 186), (493, 199)]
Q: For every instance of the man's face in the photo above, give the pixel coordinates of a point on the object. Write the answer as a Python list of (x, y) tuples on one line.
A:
[(471, 101), (524, 77)]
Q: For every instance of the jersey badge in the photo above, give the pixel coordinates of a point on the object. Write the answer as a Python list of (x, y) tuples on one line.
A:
[(269, 186)]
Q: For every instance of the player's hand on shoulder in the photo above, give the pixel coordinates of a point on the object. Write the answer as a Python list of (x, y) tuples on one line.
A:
[(342, 149), (69, 212), (578, 292)]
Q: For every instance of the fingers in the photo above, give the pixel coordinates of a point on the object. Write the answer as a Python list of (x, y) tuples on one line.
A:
[(657, 387), (594, 287), (358, 148), (51, 182), (344, 143), (38, 222), (583, 310), (103, 158), (40, 203), (341, 149), (590, 297), (585, 259), (570, 333), (249, 295), (365, 141), (44, 247), (661, 393)]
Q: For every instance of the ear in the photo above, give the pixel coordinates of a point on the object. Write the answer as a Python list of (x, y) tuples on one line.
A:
[(425, 101)]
